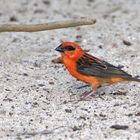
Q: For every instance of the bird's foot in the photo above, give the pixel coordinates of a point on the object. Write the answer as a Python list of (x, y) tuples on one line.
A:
[(85, 95), (89, 94)]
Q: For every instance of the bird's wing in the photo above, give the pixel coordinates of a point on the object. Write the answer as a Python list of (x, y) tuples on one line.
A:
[(92, 66)]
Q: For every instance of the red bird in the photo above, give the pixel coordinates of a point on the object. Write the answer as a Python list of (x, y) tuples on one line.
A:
[(90, 69)]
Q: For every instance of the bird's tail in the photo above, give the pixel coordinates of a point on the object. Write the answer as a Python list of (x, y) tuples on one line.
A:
[(133, 79)]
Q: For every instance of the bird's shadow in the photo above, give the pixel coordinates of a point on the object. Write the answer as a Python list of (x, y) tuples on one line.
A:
[(81, 88)]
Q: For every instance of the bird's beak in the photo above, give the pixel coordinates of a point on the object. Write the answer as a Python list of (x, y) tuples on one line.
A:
[(60, 49)]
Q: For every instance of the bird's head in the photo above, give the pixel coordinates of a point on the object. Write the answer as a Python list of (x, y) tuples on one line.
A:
[(70, 50)]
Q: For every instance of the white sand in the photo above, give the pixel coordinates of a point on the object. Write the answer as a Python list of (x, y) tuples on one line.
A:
[(39, 99)]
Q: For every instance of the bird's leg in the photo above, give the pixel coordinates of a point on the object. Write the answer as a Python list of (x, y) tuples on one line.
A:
[(90, 93), (87, 85), (95, 87), (85, 95)]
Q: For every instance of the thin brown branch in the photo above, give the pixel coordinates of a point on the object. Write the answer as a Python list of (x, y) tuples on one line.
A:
[(45, 26), (57, 60)]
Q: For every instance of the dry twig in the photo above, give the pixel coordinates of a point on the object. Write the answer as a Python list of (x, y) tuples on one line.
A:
[(45, 26)]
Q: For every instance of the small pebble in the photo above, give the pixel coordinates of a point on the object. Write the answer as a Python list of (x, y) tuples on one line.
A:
[(118, 127), (125, 42)]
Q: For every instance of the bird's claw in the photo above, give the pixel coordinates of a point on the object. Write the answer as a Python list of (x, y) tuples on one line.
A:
[(86, 95)]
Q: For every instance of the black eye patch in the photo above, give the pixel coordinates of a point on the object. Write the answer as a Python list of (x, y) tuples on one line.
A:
[(69, 48)]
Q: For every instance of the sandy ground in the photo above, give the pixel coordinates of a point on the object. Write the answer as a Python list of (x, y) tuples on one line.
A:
[(39, 99)]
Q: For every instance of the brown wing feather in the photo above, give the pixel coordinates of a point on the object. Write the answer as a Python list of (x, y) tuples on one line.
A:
[(92, 66)]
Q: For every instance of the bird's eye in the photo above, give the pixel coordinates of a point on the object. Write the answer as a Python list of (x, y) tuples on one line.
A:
[(69, 48)]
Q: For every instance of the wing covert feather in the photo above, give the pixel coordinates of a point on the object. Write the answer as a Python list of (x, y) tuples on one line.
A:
[(92, 66)]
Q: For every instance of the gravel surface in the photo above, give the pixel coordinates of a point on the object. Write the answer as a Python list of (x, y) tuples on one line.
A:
[(39, 99)]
